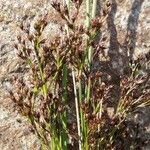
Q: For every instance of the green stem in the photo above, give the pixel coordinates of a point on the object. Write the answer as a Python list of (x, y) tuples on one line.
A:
[(88, 90), (36, 48), (64, 115)]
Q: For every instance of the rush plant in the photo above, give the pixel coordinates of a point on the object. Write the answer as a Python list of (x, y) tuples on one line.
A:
[(63, 98)]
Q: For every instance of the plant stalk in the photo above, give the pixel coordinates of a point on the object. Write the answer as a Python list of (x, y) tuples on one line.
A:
[(94, 8), (77, 109)]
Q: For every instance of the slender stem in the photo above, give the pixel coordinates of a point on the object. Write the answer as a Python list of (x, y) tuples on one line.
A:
[(36, 50), (93, 14), (77, 109), (87, 13), (80, 102), (64, 114), (94, 8), (88, 90)]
